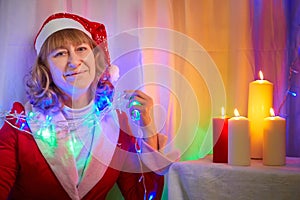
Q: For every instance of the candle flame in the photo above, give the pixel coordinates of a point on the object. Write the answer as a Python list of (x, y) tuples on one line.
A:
[(223, 111), (272, 113), (236, 113), (261, 75)]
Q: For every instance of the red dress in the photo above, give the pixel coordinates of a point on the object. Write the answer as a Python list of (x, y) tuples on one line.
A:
[(25, 174)]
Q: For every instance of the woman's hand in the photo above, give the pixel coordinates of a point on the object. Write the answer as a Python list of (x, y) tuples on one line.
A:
[(140, 107)]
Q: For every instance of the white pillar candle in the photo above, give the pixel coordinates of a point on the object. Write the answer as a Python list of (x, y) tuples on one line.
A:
[(274, 152), (238, 140), (260, 100)]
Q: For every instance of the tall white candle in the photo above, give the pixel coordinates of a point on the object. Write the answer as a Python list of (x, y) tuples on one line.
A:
[(274, 152), (238, 140), (260, 100)]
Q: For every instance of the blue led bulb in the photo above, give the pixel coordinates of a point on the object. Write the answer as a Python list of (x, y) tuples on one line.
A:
[(135, 114)]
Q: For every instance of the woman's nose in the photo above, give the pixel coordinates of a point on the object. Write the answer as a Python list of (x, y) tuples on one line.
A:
[(74, 60)]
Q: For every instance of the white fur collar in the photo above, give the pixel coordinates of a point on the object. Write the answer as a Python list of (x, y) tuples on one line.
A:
[(62, 162)]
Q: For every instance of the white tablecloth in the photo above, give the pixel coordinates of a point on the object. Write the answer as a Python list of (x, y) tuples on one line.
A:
[(202, 179)]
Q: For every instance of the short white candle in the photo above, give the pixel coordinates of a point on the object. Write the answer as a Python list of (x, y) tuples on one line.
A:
[(238, 140), (274, 152)]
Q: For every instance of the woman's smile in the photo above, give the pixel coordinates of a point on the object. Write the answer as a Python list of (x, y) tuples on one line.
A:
[(74, 73)]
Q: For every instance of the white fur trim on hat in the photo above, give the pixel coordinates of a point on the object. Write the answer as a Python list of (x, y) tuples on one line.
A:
[(57, 25)]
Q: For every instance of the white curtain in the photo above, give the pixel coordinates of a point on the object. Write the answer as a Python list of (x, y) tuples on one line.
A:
[(191, 56), (146, 56)]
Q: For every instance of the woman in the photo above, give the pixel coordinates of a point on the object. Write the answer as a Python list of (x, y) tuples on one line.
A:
[(70, 142)]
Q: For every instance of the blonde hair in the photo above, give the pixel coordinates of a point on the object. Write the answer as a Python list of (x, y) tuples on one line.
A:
[(42, 92)]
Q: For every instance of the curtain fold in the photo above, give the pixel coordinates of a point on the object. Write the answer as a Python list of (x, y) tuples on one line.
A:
[(293, 80)]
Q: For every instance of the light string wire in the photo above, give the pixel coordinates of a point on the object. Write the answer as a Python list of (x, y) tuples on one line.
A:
[(138, 150), (89, 154), (292, 72)]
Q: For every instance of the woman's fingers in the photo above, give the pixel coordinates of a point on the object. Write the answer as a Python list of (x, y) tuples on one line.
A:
[(140, 106)]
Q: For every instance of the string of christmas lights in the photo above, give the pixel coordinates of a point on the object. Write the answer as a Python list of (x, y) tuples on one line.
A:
[(48, 130), (33, 117), (293, 71)]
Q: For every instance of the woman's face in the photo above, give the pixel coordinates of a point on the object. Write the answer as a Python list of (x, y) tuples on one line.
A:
[(72, 68)]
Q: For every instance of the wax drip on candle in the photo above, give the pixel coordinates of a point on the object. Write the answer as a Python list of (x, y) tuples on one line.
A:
[(236, 112)]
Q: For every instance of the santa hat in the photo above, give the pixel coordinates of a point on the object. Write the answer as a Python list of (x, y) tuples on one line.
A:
[(60, 21)]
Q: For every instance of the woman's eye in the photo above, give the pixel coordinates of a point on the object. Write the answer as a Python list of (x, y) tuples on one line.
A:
[(59, 53), (81, 48)]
